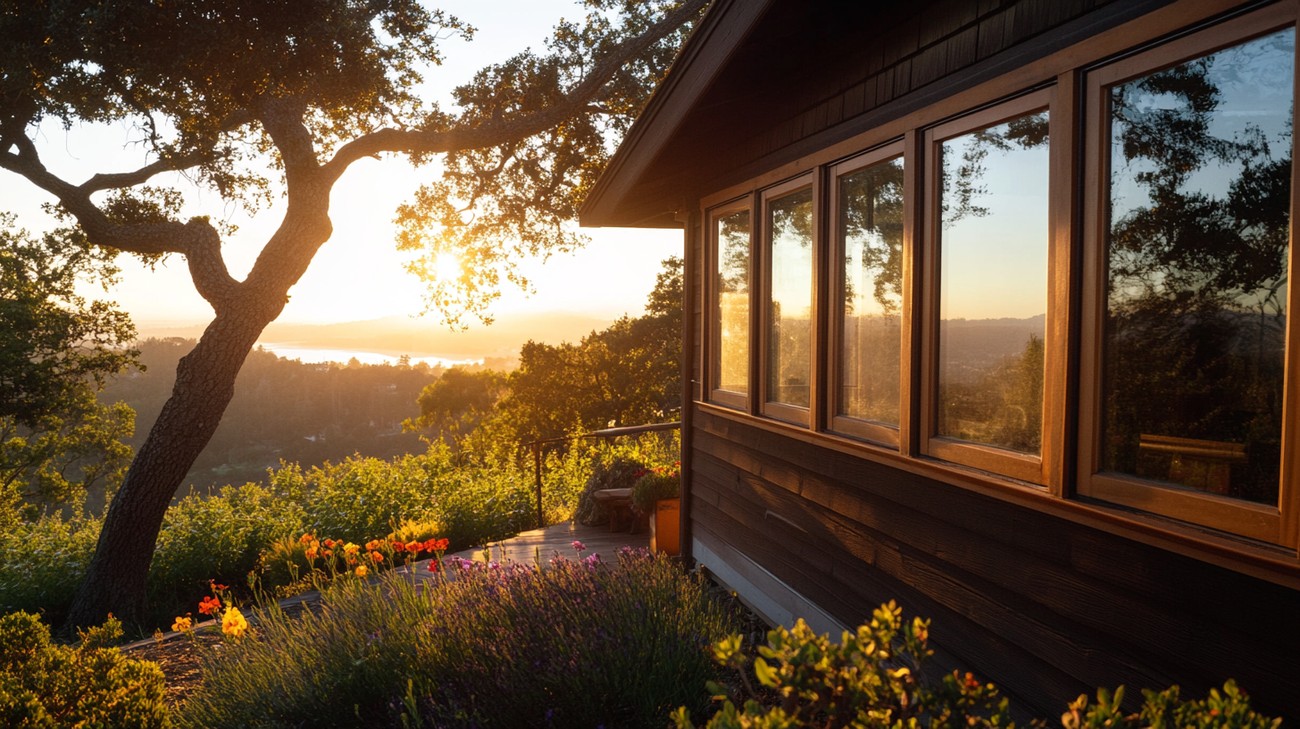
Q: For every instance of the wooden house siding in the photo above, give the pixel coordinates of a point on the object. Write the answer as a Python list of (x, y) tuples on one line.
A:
[(1045, 607)]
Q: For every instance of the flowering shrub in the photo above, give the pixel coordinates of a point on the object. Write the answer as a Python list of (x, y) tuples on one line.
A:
[(47, 685), (656, 484), (582, 643)]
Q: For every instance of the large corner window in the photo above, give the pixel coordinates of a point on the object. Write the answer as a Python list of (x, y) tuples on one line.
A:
[(1191, 236), (788, 245), (868, 210), (730, 243), (987, 273)]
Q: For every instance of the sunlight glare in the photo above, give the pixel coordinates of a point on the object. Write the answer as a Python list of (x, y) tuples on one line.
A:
[(446, 266)]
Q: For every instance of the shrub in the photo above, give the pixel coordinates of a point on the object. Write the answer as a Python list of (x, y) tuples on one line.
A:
[(617, 473), (873, 678), (47, 685), (42, 563), (579, 644), (219, 537), (1228, 708), (870, 678)]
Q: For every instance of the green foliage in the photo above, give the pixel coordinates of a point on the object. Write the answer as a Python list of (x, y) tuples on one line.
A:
[(871, 678), (57, 351), (43, 685), (42, 562), (219, 537), (457, 402), (626, 374), (1227, 708), (579, 644)]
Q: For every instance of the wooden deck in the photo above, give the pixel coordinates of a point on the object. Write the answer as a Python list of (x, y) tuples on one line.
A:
[(545, 543)]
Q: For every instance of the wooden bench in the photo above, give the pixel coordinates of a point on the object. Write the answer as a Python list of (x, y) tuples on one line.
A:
[(618, 503)]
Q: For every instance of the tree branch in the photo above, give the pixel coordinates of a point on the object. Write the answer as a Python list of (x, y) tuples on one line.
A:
[(120, 180), (498, 131), (197, 240)]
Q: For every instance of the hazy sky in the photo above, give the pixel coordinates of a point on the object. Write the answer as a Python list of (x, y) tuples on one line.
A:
[(358, 274)]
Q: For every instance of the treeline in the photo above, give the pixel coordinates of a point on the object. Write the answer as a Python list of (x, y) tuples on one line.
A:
[(626, 374), (283, 409)]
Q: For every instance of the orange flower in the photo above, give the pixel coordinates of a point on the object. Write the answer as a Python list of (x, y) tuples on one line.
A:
[(361, 570), (182, 624), (306, 539), (209, 605), (376, 557), (311, 553), (414, 547), (328, 542), (398, 546), (435, 545), (373, 544)]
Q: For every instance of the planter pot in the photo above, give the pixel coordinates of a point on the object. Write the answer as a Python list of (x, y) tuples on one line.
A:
[(665, 527)]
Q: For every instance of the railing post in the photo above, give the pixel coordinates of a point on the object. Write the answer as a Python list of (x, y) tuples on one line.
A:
[(537, 478)]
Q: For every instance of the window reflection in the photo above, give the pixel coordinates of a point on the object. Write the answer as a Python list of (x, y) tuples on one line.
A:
[(790, 313), (731, 368), (871, 232), (993, 245), (1197, 246)]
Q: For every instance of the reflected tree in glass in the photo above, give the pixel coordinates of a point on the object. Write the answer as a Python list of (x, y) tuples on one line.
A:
[(789, 355), (992, 248), (731, 366), (871, 233), (1197, 248)]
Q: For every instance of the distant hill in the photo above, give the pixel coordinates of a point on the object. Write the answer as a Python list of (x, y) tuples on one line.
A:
[(395, 336)]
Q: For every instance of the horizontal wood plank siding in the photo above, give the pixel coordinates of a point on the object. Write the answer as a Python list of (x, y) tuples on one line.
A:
[(1045, 607)]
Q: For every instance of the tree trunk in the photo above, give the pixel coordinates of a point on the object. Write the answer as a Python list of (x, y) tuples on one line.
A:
[(116, 579)]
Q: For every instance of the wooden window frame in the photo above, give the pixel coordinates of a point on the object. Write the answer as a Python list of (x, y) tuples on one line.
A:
[(1034, 469), (712, 321), (794, 414), (872, 431), (1278, 524)]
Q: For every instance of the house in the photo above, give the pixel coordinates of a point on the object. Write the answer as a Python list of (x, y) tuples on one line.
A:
[(988, 314)]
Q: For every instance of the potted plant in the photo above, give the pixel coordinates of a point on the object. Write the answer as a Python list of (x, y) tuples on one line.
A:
[(657, 494)]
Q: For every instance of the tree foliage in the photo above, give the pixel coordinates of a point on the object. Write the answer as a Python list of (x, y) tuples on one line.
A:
[(57, 352), (248, 98)]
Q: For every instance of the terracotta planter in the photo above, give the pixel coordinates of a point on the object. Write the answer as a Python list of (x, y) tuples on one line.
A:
[(665, 527)]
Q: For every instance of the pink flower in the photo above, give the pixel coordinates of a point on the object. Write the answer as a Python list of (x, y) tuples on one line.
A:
[(579, 545)]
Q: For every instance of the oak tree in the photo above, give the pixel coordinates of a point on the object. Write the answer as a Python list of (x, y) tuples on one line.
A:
[(252, 98)]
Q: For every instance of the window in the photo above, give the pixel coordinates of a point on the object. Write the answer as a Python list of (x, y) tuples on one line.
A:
[(868, 291), (730, 238), (1191, 247), (1093, 272), (988, 242), (788, 264)]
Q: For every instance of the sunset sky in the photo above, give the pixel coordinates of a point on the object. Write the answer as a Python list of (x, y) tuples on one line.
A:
[(358, 274)]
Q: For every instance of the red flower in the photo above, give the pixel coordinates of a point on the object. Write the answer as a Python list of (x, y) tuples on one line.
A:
[(398, 546), (209, 605), (435, 545)]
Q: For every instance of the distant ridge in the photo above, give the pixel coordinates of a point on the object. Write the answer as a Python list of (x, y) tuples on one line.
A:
[(398, 335)]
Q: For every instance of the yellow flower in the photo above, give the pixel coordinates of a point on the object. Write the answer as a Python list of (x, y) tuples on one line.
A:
[(233, 623), (361, 570), (351, 548), (182, 624)]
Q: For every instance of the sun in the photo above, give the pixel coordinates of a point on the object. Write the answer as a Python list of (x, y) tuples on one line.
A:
[(446, 266)]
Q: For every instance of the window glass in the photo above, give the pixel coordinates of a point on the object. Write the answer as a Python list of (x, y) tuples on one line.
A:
[(871, 232), (789, 325), (993, 244), (1197, 249), (731, 366)]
